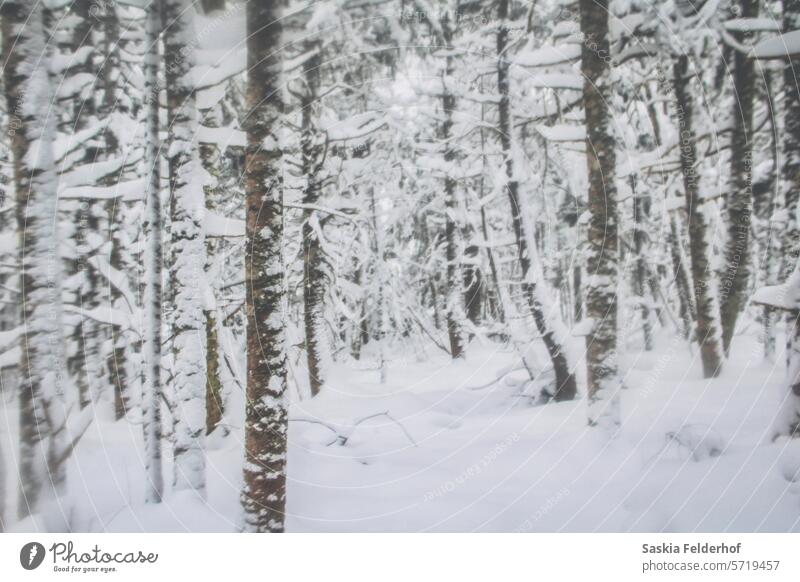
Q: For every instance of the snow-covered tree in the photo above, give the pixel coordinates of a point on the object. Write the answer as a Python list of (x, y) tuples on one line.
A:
[(266, 420), (187, 252)]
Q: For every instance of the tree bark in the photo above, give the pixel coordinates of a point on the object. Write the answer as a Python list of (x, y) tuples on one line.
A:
[(740, 199), (566, 387), (153, 266), (602, 268), (42, 399), (266, 421), (454, 305), (705, 294), (187, 253), (790, 169), (86, 362), (641, 215), (313, 273)]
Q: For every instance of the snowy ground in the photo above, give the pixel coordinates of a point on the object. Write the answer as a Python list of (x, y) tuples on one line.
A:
[(693, 455)]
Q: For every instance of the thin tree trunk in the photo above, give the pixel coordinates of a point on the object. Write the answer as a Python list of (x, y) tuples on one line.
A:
[(117, 359), (566, 387), (87, 363), (683, 287), (153, 265), (266, 421), (641, 214), (313, 274), (771, 221), (473, 285), (454, 305), (736, 270), (706, 301), (187, 253), (212, 158), (602, 267)]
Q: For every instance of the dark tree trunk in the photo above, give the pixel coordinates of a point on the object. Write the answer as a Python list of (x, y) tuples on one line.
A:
[(641, 215), (473, 286), (266, 420), (454, 308), (736, 271), (86, 362), (313, 273), (686, 308), (707, 325), (790, 171), (565, 388), (602, 266)]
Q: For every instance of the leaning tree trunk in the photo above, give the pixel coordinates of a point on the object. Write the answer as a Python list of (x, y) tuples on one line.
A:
[(706, 305), (42, 403), (565, 388), (313, 274), (187, 254), (602, 268), (266, 421), (153, 262), (736, 270)]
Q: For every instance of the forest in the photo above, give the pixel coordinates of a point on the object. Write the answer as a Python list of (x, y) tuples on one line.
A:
[(399, 265)]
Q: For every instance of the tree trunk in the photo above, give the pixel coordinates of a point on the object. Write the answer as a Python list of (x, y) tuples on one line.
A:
[(473, 285), (109, 106), (602, 268), (683, 287), (86, 362), (790, 170), (153, 265), (187, 253), (705, 293), (313, 273), (740, 199), (641, 215), (212, 158), (42, 402), (266, 421), (454, 305), (565, 388)]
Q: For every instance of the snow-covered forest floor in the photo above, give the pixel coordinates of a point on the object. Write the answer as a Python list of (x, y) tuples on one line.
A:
[(453, 454)]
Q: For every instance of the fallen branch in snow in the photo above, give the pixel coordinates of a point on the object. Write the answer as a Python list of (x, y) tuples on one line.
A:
[(342, 438)]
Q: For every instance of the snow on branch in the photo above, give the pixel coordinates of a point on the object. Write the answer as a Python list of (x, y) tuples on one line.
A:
[(562, 132), (785, 296), (129, 191), (222, 137), (549, 56), (778, 47)]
